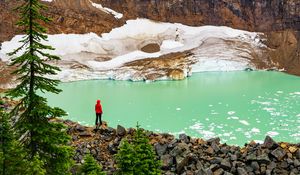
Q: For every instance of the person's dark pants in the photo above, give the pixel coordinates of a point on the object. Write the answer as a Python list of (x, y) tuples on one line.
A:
[(98, 118)]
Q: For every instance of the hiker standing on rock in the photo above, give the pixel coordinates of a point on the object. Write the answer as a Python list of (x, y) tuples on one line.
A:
[(98, 110)]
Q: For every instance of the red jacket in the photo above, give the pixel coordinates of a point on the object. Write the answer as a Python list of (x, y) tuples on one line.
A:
[(98, 107)]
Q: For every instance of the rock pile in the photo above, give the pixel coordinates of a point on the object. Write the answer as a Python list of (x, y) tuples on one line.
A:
[(190, 156)]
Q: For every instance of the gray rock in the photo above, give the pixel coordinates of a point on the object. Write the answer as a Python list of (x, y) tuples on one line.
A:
[(289, 161), (255, 165), (278, 153), (112, 148), (268, 172), (183, 137), (216, 160), (264, 158), (225, 164), (251, 157), (204, 172), (74, 138), (85, 134), (249, 169), (121, 131), (241, 171), (219, 171), (214, 167), (181, 162), (213, 140), (233, 157), (167, 161), (160, 148), (270, 143), (296, 163), (80, 128), (284, 165), (179, 149), (215, 147), (209, 150), (172, 144), (271, 166), (93, 152), (298, 154), (227, 173)]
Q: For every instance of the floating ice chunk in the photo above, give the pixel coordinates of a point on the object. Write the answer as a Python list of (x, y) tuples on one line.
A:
[(207, 134), (272, 133), (231, 112), (196, 126), (232, 138), (298, 115), (269, 109), (255, 130), (244, 122), (297, 93), (226, 134), (178, 109), (259, 141), (279, 92), (235, 118)]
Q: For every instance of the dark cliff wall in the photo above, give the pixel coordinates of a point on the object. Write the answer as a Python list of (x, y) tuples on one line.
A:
[(253, 15)]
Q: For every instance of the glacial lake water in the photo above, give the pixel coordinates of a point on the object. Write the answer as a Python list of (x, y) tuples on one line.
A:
[(235, 106)]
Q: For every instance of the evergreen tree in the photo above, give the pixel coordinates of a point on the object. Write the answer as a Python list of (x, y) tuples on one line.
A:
[(43, 138), (12, 155), (91, 167), (125, 158), (139, 157)]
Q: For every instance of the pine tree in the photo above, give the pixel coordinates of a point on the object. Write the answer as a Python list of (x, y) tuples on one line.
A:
[(91, 167), (125, 158), (12, 155), (137, 158), (43, 138)]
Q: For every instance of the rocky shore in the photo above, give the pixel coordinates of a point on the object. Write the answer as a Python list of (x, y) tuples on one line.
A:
[(189, 156)]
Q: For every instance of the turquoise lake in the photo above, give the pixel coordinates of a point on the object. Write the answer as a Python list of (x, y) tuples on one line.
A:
[(236, 106)]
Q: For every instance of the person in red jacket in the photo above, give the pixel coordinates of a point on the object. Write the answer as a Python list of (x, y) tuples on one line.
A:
[(98, 110)]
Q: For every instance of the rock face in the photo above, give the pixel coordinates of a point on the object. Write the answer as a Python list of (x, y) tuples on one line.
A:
[(68, 16), (253, 15), (278, 19)]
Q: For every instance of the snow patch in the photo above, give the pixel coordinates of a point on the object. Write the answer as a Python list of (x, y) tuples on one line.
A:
[(107, 10), (106, 54)]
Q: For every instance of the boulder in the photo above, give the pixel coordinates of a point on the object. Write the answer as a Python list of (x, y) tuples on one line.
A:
[(264, 158), (241, 171), (80, 128), (184, 138), (121, 131), (219, 171), (269, 143), (225, 164), (279, 153), (255, 165), (167, 161), (215, 140), (160, 148), (181, 162)]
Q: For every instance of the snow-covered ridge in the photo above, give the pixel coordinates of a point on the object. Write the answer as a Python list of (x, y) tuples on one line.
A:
[(104, 55)]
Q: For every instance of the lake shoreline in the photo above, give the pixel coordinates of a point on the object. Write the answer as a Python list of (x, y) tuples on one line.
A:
[(186, 155)]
